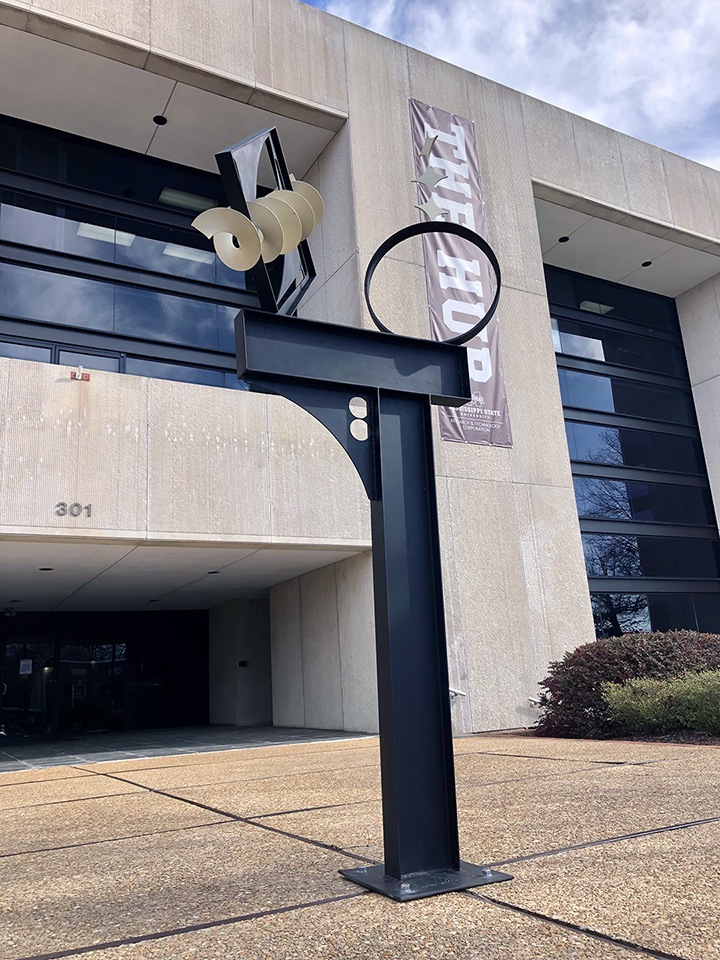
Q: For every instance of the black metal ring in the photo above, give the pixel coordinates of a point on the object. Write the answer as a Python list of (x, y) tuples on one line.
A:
[(433, 226)]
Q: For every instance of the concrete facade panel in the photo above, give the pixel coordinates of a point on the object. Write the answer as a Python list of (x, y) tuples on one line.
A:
[(688, 196), (321, 650), (343, 299), (505, 169), (645, 179), (382, 164), (314, 490), (288, 695), (338, 228), (699, 315), (208, 470), (601, 170), (539, 452), (707, 407), (356, 631), (550, 144), (473, 461), (299, 50), (222, 42), (239, 633), (493, 602), (129, 20), (458, 680), (73, 442)]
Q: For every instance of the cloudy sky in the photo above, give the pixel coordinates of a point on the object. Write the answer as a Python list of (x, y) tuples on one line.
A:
[(650, 68)]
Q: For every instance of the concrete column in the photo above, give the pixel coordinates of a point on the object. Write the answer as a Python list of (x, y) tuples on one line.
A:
[(323, 648), (699, 313)]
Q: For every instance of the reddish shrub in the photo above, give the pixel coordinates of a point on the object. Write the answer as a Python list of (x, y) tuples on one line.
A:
[(572, 697)]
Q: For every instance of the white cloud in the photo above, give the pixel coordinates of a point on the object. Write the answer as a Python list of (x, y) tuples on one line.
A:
[(647, 67)]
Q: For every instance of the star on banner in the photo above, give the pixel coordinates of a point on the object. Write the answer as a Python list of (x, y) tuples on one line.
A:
[(431, 209)]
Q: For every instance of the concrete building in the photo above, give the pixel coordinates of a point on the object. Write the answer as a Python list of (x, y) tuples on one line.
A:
[(173, 550)]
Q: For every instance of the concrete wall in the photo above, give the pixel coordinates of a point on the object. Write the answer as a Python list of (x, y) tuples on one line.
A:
[(168, 461), (323, 648), (240, 633)]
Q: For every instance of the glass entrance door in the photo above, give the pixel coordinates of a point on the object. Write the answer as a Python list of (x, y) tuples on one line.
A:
[(27, 688)]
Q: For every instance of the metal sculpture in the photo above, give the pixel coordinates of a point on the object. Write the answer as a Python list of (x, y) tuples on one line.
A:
[(373, 391)]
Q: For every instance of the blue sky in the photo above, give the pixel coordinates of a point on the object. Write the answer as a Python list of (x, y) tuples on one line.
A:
[(650, 69)]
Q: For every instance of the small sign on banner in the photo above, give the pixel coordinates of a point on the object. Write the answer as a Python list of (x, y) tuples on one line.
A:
[(459, 289), (25, 668)]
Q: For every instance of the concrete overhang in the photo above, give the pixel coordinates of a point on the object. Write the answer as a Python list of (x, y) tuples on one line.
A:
[(613, 245), (92, 96), (92, 576)]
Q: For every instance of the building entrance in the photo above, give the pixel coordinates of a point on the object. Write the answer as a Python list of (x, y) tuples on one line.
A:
[(62, 675)]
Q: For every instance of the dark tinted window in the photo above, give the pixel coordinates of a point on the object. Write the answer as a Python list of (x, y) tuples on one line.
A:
[(98, 236), (136, 312), (650, 502), (593, 443), (602, 298), (93, 166), (618, 613), (25, 351), (174, 371), (589, 391), (55, 298), (576, 339), (89, 361), (621, 555)]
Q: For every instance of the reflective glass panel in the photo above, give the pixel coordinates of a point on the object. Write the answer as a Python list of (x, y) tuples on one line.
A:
[(589, 391), (161, 316), (649, 502), (135, 312), (173, 371), (98, 236), (90, 361), (611, 346), (630, 556), (55, 298), (24, 351), (592, 443), (707, 612), (618, 613)]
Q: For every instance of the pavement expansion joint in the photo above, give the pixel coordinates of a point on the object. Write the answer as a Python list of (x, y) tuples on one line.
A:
[(530, 756), (192, 928), (130, 836), (576, 928), (55, 803), (598, 843), (246, 820)]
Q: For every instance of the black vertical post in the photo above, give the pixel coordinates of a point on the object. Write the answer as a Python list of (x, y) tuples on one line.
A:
[(399, 378), (415, 725)]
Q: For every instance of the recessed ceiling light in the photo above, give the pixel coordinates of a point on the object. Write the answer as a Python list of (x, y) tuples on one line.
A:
[(160, 120), (213, 571), (646, 263), (563, 239), (45, 569), (153, 601), (16, 601)]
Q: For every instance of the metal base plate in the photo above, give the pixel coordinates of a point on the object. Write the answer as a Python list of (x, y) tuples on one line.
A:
[(424, 884)]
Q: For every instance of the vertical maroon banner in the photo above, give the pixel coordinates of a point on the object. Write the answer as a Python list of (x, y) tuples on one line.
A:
[(459, 289)]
